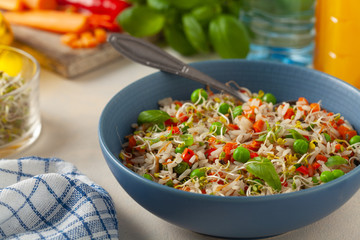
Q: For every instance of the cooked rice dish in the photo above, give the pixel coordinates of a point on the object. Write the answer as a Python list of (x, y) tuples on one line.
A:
[(216, 145)]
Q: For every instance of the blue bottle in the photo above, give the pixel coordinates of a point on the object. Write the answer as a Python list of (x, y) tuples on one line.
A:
[(281, 30)]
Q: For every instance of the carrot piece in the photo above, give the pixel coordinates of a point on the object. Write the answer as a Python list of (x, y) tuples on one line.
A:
[(49, 20), (100, 35), (69, 38), (11, 5), (342, 129), (320, 157), (88, 40), (40, 4), (349, 134), (228, 147), (258, 126), (289, 113), (315, 107), (303, 101)]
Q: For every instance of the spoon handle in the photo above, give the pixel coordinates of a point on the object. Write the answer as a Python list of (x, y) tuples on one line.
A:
[(148, 54)]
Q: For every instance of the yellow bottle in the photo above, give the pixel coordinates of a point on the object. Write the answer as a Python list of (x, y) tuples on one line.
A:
[(337, 49), (6, 35)]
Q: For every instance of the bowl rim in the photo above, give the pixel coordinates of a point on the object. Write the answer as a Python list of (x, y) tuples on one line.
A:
[(303, 192)]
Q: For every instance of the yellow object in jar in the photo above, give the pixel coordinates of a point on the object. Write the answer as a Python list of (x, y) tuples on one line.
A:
[(6, 34), (337, 49)]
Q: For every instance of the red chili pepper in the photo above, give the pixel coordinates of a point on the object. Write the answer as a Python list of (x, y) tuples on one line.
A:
[(187, 154), (303, 170), (107, 7)]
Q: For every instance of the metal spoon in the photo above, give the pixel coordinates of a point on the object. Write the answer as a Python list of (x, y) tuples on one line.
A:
[(148, 54)]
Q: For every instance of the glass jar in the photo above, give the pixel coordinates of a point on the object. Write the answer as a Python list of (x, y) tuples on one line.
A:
[(20, 123)]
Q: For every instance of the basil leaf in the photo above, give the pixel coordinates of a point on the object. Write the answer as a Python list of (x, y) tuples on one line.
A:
[(195, 33), (296, 135), (153, 116), (335, 160), (186, 4), (205, 13), (141, 21), (159, 4), (176, 39), (264, 169), (229, 37)]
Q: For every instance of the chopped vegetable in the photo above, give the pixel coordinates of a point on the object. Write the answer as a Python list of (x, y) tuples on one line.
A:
[(40, 4), (11, 5), (190, 26), (49, 20), (252, 149), (199, 95), (153, 116)]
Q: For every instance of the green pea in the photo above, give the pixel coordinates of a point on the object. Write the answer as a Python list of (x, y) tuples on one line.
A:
[(199, 94), (237, 111), (269, 98), (300, 146), (327, 137), (241, 154), (198, 172), (148, 176), (327, 176), (337, 173), (181, 167), (224, 108), (217, 128), (180, 149), (354, 139)]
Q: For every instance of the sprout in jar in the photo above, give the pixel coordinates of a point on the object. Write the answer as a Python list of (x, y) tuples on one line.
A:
[(14, 108)]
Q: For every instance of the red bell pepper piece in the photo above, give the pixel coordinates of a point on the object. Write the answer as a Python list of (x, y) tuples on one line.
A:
[(303, 170), (187, 154), (106, 7)]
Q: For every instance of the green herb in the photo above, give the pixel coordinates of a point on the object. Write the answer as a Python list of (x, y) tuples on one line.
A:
[(141, 21), (264, 169), (229, 37), (296, 135), (153, 116), (190, 26), (335, 160)]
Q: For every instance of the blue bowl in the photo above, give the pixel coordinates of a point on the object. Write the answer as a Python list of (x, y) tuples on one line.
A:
[(238, 217)]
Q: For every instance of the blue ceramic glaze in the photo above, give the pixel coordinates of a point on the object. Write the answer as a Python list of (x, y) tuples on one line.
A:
[(237, 217)]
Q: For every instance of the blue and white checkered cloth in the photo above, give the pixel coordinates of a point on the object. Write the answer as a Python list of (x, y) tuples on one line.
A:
[(42, 198)]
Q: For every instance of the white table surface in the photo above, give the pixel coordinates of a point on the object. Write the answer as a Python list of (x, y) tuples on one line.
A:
[(70, 111)]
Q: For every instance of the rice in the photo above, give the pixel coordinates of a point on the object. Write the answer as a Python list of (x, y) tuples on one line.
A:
[(188, 153)]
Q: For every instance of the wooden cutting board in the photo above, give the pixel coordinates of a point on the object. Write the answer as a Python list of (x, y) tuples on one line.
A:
[(51, 54)]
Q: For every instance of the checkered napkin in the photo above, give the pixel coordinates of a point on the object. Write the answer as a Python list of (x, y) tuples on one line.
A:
[(42, 198)]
